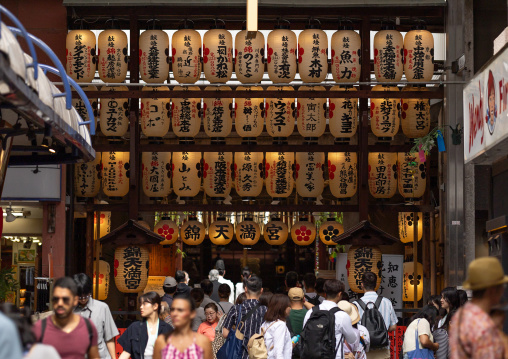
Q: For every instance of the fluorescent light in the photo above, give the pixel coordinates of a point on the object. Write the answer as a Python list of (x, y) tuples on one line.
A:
[(15, 214)]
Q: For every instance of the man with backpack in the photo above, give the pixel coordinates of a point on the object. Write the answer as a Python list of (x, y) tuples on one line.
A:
[(325, 326), (378, 316)]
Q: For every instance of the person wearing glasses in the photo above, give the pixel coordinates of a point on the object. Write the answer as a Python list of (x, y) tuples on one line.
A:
[(70, 334), (99, 313), (207, 328)]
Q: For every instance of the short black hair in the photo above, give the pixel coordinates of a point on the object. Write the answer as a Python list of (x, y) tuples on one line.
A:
[(66, 283), (180, 276), (309, 280), (320, 282), (333, 287), (207, 286), (152, 298), (197, 294), (462, 297), (83, 283), (254, 284), (291, 279), (168, 289), (369, 281), (224, 291)]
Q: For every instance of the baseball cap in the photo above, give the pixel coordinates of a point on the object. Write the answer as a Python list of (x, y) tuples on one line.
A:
[(170, 282), (219, 265), (295, 294)]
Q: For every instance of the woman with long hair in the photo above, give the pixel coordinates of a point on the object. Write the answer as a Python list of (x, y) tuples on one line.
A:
[(418, 333), (450, 302), (276, 333)]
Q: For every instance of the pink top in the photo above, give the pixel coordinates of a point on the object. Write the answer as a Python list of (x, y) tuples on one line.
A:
[(194, 351)]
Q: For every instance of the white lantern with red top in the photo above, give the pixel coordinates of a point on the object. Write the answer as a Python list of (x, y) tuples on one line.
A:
[(249, 115), (343, 115), (155, 115), (186, 174), (80, 55), (113, 54), (249, 57), (280, 116), (156, 174), (154, 56), (279, 174), (346, 48), (388, 54), (186, 115), (249, 174), (186, 54), (281, 54), (218, 54), (217, 174), (313, 54), (309, 174)]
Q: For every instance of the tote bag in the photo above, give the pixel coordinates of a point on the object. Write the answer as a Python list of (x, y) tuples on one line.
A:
[(420, 353)]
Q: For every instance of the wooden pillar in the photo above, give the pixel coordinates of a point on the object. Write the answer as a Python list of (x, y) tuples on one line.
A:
[(415, 259), (89, 243)]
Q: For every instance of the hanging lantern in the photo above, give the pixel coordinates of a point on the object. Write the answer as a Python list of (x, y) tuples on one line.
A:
[(310, 182), (105, 224), (131, 268), (221, 232), (361, 260), (217, 174), (80, 107), (218, 115), (410, 281), (248, 174), (411, 175), (382, 174), (113, 56), (154, 56), (156, 174), (329, 230), (87, 178), (388, 54), (249, 57), (346, 48), (313, 54), (281, 54), (155, 114), (218, 54), (80, 55), (115, 183), (186, 116), (343, 116), (419, 54), (279, 174), (276, 232), (280, 116), (103, 279), (415, 114), (248, 232), (168, 230), (384, 114), (343, 174), (303, 232), (406, 229), (193, 232), (186, 173), (250, 115), (114, 115), (311, 114), (186, 54)]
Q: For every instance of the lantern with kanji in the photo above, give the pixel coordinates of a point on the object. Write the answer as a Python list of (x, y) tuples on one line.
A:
[(412, 278), (406, 226), (221, 232), (186, 115), (168, 230), (411, 175), (114, 115), (281, 54), (419, 54), (303, 232), (388, 54), (346, 48), (249, 174), (186, 51), (280, 116), (382, 174), (329, 230), (309, 174), (279, 174), (218, 115), (384, 114), (218, 54), (113, 53), (415, 114), (313, 54), (155, 114), (311, 115), (186, 174), (248, 232), (343, 174), (131, 268), (249, 115), (276, 232), (104, 223), (115, 174), (154, 56), (102, 279), (360, 260), (80, 55), (80, 107), (193, 232), (217, 174), (343, 115), (87, 178), (249, 57), (156, 174)]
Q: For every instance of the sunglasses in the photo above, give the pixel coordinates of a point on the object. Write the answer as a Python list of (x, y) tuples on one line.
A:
[(65, 300)]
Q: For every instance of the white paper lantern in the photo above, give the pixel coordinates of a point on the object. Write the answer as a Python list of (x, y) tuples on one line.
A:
[(218, 54), (249, 57), (309, 174), (113, 53), (248, 174), (281, 54), (80, 55), (156, 174), (249, 115), (217, 174), (419, 55), (218, 115), (313, 54), (114, 115), (279, 174), (280, 116), (343, 116), (186, 51), (186, 115), (154, 56), (346, 48), (155, 114), (388, 54), (186, 173), (311, 115)]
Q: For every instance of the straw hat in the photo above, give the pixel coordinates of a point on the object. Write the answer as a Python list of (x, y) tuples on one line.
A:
[(350, 310), (484, 273)]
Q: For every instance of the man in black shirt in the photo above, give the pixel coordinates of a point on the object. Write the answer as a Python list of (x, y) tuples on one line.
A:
[(169, 288)]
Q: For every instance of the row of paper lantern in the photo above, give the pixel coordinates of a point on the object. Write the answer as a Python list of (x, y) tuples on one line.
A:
[(393, 55)]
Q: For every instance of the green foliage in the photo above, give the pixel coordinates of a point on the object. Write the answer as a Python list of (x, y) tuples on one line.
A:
[(7, 282), (426, 142)]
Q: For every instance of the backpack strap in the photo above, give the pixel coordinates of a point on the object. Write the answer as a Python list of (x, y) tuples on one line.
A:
[(290, 327), (44, 323), (90, 333), (332, 329), (378, 301), (223, 311), (250, 312)]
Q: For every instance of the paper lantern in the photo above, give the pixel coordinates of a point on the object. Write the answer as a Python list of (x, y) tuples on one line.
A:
[(309, 174), (313, 54), (406, 226), (154, 56), (343, 115), (388, 54), (329, 230), (382, 174), (279, 174), (193, 232), (102, 279), (131, 268), (87, 178), (218, 115), (155, 114), (280, 116), (346, 48), (80, 107), (410, 281), (248, 232), (361, 260), (217, 174), (248, 174), (276, 232), (168, 230), (221, 232), (384, 114), (311, 115), (411, 175), (186, 115), (343, 174), (114, 115), (186, 173), (218, 54), (419, 55), (105, 223), (250, 115), (249, 57), (186, 53), (80, 55), (113, 53), (156, 174), (415, 114), (281, 54), (115, 175), (303, 232)]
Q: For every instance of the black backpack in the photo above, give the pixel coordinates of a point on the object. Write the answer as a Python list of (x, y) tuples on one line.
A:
[(318, 335), (314, 301), (375, 324), (297, 349)]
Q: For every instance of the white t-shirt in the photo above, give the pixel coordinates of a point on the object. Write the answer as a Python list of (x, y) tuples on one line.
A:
[(409, 337)]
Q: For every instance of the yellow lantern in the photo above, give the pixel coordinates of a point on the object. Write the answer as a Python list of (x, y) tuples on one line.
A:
[(329, 230), (343, 115), (313, 54), (217, 174), (218, 115), (406, 229), (343, 174), (382, 174), (186, 116), (419, 55), (311, 114), (154, 56), (279, 174), (250, 116), (248, 174), (388, 54), (415, 114), (193, 232), (281, 54), (102, 279), (186, 53), (168, 230), (276, 232), (113, 56), (115, 182), (105, 224), (248, 232), (131, 268), (87, 178), (249, 57), (221, 232), (361, 260), (218, 54), (80, 55), (346, 48), (303, 232), (80, 107), (411, 175), (186, 173), (384, 114), (410, 281), (114, 115), (155, 114), (280, 116), (156, 174), (310, 181)]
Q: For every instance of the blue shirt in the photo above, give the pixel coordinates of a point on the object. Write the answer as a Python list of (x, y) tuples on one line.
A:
[(10, 345)]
